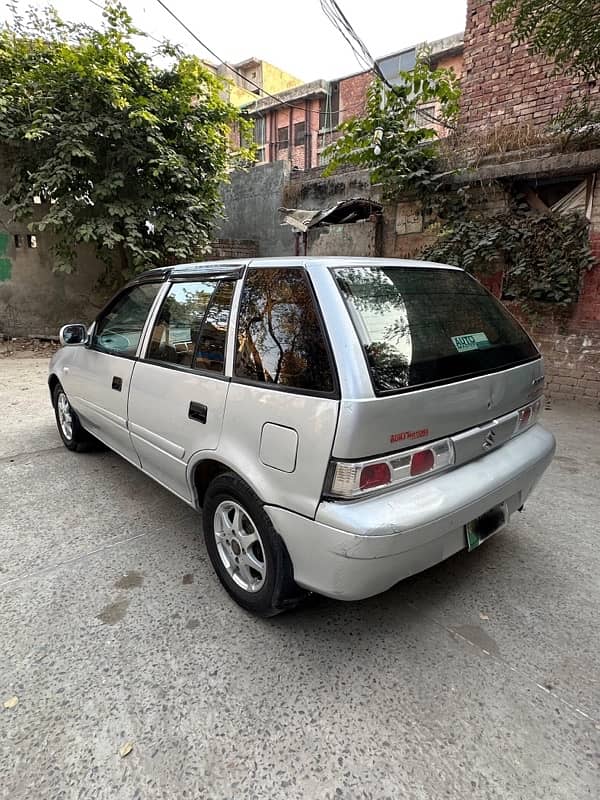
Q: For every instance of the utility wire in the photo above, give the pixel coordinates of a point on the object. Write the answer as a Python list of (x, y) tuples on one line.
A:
[(235, 71), (370, 66), (336, 16), (220, 60), (144, 33)]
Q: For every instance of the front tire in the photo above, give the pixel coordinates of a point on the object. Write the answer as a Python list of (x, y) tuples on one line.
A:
[(246, 552), (74, 436)]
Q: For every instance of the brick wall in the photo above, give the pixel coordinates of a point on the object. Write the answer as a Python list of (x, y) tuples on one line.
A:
[(502, 84), (571, 349), (353, 95), (568, 338), (300, 156), (232, 248)]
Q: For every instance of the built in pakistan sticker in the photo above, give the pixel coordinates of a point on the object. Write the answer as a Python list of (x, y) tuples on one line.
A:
[(471, 341)]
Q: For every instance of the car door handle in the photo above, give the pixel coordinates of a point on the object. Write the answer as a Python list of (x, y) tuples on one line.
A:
[(117, 383), (198, 412)]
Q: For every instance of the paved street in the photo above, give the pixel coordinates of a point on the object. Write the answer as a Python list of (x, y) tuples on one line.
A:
[(479, 678)]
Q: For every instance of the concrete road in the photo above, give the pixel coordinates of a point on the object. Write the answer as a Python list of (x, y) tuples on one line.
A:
[(479, 678)]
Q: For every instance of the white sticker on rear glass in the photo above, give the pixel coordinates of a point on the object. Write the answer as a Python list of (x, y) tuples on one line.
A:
[(471, 341)]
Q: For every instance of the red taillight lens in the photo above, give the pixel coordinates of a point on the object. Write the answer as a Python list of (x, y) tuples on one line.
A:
[(375, 475), (422, 462), (524, 416)]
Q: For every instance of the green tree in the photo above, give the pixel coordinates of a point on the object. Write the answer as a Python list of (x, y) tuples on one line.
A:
[(125, 149), (395, 140), (567, 31)]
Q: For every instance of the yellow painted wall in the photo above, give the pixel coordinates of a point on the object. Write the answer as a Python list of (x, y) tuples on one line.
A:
[(276, 80), (273, 80), (240, 97)]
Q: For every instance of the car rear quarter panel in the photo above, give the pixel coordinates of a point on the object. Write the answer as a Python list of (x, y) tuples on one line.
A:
[(296, 482)]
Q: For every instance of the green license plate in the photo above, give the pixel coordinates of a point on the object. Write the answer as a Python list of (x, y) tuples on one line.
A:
[(480, 529)]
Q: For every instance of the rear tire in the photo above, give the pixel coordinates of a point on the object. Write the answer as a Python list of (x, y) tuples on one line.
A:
[(246, 552), (73, 434)]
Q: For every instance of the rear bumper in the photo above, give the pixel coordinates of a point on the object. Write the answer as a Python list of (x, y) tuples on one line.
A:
[(353, 550)]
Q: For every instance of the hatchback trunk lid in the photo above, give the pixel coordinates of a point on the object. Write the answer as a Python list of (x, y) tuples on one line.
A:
[(443, 356)]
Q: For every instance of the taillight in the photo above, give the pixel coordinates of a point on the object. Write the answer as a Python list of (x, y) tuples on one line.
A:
[(421, 462), (528, 416), (358, 478), (374, 475)]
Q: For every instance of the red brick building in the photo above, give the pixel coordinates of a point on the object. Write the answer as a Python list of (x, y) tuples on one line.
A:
[(503, 84), (296, 125), (511, 96)]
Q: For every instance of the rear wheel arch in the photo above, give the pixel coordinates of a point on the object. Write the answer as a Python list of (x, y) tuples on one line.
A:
[(206, 470)]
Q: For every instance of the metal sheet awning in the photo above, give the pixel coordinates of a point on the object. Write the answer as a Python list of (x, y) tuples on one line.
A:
[(344, 212)]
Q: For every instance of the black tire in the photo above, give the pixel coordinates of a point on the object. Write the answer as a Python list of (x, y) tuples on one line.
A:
[(80, 440), (278, 592)]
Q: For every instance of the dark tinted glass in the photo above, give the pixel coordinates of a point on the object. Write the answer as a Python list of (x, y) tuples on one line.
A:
[(119, 329), (420, 326), (178, 324), (280, 340), (210, 351)]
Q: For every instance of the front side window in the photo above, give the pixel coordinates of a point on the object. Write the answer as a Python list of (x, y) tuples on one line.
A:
[(423, 325), (191, 327), (280, 340), (119, 329)]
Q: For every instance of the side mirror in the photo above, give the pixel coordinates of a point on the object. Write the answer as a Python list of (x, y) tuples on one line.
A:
[(73, 334)]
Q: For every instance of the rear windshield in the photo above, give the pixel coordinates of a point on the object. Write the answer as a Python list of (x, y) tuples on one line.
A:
[(425, 325)]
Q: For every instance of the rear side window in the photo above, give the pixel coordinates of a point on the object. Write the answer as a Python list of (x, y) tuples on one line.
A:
[(421, 326), (280, 340), (191, 327)]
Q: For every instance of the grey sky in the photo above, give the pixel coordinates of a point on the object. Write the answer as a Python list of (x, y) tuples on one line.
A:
[(295, 36)]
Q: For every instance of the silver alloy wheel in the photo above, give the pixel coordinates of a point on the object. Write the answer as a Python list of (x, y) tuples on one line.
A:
[(239, 546), (64, 415)]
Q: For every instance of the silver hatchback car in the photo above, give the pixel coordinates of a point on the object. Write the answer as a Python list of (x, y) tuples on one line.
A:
[(342, 423)]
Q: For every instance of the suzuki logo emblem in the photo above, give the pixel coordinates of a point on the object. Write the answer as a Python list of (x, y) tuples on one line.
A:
[(490, 439)]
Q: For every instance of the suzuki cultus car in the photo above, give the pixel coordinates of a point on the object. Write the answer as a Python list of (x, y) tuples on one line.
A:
[(341, 423)]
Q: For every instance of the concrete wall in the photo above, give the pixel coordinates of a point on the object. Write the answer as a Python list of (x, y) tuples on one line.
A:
[(356, 239), (569, 339), (311, 190), (252, 200), (34, 299)]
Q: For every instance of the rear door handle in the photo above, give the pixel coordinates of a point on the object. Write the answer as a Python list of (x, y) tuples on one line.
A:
[(117, 383), (198, 412)]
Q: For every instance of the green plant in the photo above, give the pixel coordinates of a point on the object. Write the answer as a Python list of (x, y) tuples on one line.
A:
[(542, 255), (394, 139), (124, 154)]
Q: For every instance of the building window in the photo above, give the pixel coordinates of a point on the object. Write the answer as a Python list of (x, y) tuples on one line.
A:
[(425, 116), (260, 137), (329, 116), (283, 138), (399, 62), (299, 133)]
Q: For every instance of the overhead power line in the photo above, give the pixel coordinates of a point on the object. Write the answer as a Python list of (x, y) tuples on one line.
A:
[(143, 33), (369, 65), (230, 67), (336, 16)]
